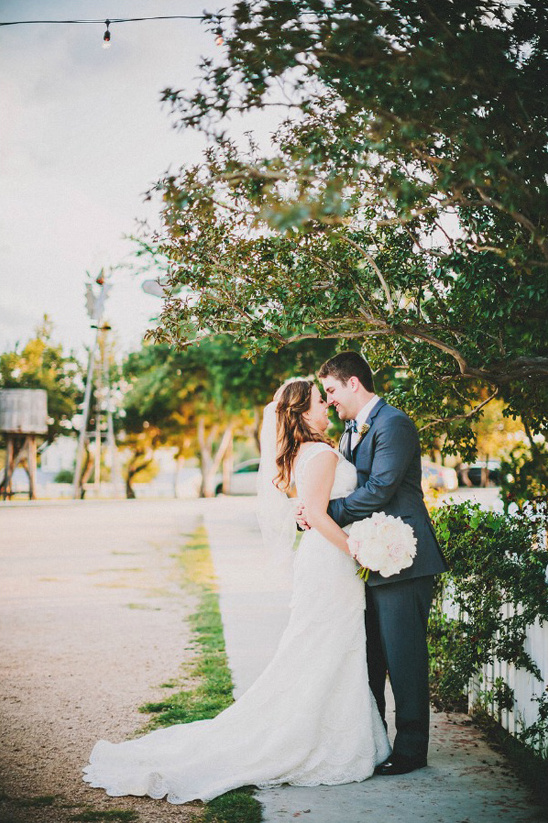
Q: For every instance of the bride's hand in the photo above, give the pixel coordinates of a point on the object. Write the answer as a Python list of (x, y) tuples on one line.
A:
[(300, 517)]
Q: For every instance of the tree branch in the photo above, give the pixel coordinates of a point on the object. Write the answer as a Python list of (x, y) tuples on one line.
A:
[(375, 268), (467, 416), (519, 218)]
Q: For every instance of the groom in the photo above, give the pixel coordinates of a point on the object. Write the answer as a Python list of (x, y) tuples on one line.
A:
[(383, 444)]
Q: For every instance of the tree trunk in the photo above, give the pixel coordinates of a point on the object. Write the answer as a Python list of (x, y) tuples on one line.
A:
[(87, 470), (209, 463), (179, 461), (134, 467), (485, 473), (256, 428), (206, 458), (435, 452), (228, 466)]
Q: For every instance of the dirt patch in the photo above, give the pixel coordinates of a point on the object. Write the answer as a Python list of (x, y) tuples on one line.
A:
[(93, 615)]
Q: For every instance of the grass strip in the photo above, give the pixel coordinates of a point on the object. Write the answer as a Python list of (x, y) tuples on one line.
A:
[(111, 816), (206, 683), (238, 806), (39, 802)]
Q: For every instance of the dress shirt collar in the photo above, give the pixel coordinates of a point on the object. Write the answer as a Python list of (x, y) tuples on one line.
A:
[(364, 413)]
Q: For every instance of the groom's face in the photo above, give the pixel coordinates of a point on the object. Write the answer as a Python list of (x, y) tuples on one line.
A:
[(342, 396)]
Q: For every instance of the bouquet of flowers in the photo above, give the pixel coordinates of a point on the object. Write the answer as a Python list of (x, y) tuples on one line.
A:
[(382, 543)]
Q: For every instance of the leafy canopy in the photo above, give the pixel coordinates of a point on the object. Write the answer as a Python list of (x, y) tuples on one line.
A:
[(170, 390), (403, 206)]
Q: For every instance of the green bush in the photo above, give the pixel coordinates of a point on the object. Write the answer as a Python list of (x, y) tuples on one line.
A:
[(524, 476), (64, 476), (496, 560)]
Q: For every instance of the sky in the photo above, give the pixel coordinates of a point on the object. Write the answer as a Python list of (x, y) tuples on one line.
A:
[(83, 136)]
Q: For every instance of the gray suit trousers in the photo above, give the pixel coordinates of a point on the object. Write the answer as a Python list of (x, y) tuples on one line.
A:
[(396, 619)]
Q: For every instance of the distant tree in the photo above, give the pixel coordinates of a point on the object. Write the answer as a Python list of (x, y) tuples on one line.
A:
[(404, 205), (149, 409), (524, 475), (140, 463), (42, 364), (496, 433), (199, 399)]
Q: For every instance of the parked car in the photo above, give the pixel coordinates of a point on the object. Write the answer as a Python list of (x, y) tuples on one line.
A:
[(480, 474), (243, 480), (438, 477)]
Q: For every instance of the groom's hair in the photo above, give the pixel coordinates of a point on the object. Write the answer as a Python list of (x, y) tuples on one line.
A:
[(348, 364)]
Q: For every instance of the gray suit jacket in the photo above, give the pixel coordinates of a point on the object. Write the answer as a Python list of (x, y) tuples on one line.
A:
[(388, 460)]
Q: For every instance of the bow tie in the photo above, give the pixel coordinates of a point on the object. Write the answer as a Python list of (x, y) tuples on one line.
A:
[(351, 426)]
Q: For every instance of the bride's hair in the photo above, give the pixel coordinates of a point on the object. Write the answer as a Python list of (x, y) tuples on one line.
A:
[(293, 400)]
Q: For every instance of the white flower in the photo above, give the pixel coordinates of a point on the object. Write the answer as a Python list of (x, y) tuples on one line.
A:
[(382, 543)]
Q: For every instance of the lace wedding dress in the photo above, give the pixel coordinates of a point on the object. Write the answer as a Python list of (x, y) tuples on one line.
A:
[(309, 719)]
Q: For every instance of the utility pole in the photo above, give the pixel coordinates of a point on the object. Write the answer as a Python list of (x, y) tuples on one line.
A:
[(95, 303)]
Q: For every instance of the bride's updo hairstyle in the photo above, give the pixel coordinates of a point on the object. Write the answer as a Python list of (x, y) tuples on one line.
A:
[(293, 400)]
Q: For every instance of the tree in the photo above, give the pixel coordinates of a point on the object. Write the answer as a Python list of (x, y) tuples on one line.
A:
[(42, 364), (140, 462), (525, 476), (152, 409), (404, 206), (200, 398)]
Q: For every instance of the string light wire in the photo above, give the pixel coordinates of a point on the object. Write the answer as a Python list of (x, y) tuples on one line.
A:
[(204, 16)]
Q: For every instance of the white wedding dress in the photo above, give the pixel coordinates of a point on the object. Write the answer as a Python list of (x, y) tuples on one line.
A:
[(309, 719)]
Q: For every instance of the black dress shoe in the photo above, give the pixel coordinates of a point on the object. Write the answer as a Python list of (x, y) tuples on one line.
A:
[(398, 764)]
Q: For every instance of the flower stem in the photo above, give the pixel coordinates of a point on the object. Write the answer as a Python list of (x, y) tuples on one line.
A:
[(363, 572)]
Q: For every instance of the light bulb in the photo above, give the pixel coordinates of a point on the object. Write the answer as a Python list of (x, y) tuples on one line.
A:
[(106, 36)]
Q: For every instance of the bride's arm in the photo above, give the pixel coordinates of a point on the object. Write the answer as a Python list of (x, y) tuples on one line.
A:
[(317, 484)]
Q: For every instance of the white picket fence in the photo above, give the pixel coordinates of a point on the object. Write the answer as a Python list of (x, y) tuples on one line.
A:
[(525, 686)]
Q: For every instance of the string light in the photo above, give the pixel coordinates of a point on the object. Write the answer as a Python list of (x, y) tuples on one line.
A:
[(205, 17), (106, 36)]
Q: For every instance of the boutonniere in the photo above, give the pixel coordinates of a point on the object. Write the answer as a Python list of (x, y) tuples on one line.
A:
[(364, 428)]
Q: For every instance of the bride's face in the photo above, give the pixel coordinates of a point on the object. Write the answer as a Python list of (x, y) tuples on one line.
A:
[(316, 416)]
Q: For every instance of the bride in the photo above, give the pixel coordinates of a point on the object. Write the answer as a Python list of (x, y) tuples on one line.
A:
[(310, 718)]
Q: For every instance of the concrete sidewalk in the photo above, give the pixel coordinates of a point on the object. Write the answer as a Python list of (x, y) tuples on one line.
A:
[(465, 782)]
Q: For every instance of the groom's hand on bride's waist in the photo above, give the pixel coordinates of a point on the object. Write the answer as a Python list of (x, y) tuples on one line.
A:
[(300, 517)]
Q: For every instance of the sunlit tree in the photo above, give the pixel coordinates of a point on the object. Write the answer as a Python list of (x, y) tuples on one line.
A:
[(41, 363), (403, 206)]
